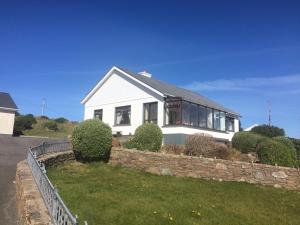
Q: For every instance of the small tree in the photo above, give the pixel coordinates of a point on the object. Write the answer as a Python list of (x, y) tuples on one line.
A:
[(51, 125), (23, 122), (268, 131), (60, 120)]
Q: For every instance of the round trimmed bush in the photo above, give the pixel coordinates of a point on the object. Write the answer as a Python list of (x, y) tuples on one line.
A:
[(246, 141), (148, 137), (92, 140), (275, 152)]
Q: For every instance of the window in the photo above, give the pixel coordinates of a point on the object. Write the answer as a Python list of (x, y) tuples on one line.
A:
[(189, 114), (202, 117), (122, 116), (209, 118), (98, 114), (222, 121), (216, 120), (150, 112), (229, 124), (173, 112)]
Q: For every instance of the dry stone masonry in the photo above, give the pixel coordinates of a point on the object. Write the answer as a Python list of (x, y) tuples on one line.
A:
[(217, 169)]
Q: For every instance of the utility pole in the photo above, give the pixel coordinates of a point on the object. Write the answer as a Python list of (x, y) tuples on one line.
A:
[(270, 111), (43, 105)]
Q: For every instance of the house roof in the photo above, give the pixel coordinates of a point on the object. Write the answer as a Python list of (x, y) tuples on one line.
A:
[(174, 91), (164, 89), (7, 102)]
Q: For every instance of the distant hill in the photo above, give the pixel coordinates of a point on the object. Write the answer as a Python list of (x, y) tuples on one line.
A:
[(63, 130)]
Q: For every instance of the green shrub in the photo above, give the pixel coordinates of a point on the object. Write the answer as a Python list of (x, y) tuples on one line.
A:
[(23, 122), (284, 140), (268, 131), (275, 152), (129, 144), (61, 120), (246, 141), (51, 125), (199, 145), (92, 140), (44, 117), (147, 137), (296, 143)]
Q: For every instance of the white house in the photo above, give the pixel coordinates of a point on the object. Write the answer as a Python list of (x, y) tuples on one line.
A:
[(8, 109), (125, 100)]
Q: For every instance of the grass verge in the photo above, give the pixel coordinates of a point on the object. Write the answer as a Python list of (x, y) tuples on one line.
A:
[(105, 194)]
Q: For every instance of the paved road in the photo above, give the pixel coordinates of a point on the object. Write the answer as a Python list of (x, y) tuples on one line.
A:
[(12, 150)]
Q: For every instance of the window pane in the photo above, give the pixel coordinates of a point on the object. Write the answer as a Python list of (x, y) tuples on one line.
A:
[(202, 116), (209, 118), (185, 113), (193, 115), (123, 115), (216, 119), (150, 112), (222, 121), (173, 113), (98, 114), (229, 124)]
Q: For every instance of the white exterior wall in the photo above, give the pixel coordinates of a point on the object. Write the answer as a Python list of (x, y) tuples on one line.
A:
[(117, 91), (7, 120), (191, 130)]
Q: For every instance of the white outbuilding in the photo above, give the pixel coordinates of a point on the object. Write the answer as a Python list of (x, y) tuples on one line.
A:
[(8, 110)]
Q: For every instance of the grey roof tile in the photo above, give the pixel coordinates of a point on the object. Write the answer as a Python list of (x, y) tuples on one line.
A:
[(172, 90), (6, 101)]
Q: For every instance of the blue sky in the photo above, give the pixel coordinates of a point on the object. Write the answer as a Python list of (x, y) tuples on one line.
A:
[(244, 55)]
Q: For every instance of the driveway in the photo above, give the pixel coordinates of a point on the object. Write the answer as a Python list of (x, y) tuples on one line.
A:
[(12, 150)]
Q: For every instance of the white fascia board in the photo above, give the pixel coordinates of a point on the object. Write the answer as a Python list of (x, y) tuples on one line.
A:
[(107, 75), (9, 109)]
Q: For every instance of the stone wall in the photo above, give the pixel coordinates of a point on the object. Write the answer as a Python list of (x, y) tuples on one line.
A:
[(217, 169)]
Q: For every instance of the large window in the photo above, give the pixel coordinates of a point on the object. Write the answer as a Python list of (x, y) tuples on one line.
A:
[(122, 116), (222, 121), (216, 119), (209, 118), (229, 124), (150, 112), (179, 112), (202, 117), (98, 114), (189, 114), (173, 112)]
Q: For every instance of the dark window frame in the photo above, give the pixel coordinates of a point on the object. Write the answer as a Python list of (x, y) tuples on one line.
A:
[(180, 101), (144, 107), (226, 123), (122, 124), (96, 113)]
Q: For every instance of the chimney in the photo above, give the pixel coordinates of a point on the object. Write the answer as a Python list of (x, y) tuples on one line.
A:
[(145, 73)]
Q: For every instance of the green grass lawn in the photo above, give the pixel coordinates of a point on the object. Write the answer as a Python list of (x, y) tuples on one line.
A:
[(106, 195), (38, 129)]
